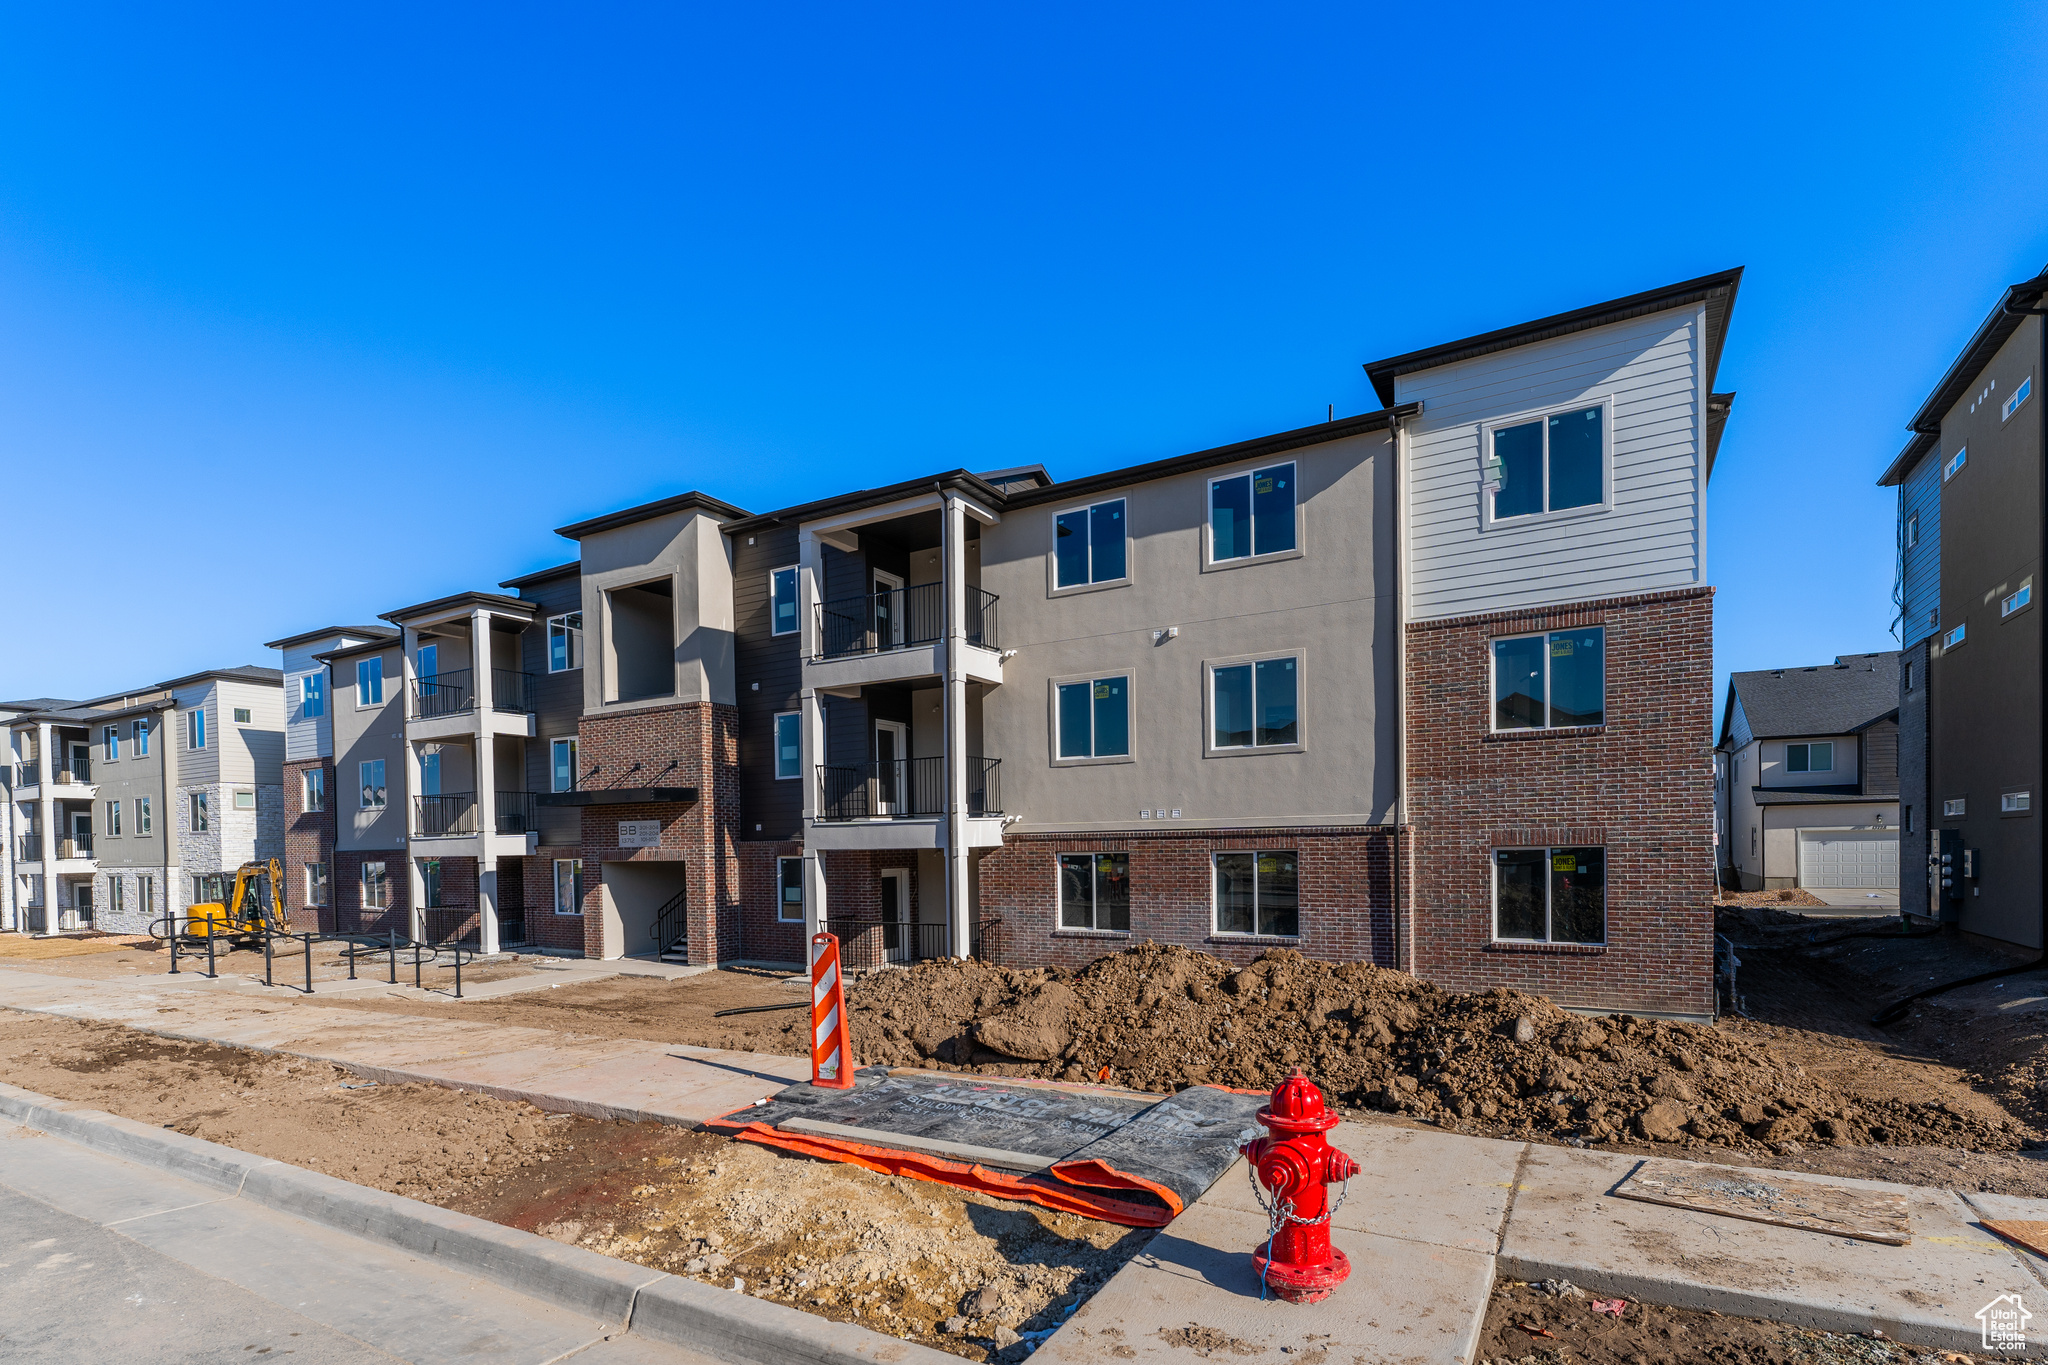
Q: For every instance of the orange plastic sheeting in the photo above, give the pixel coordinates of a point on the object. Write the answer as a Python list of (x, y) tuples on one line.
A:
[(1074, 1198), (1102, 1175)]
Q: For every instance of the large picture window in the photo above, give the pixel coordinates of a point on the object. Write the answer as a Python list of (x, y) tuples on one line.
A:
[(789, 744), (782, 601), (1252, 514), (1095, 891), (1095, 718), (1256, 704), (1259, 893), (789, 890), (1551, 464), (568, 886), (565, 642), (1550, 895), (1090, 545), (1549, 681)]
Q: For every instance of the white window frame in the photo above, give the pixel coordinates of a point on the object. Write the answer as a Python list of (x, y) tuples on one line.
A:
[(1209, 560), (1912, 530), (113, 819), (319, 890), (796, 584), (1809, 745), (144, 822), (363, 785), (312, 790), (555, 746), (382, 883), (2017, 600), (369, 671), (1094, 925), (775, 746), (195, 729), (110, 744), (1488, 484), (1548, 851), (312, 696), (1053, 686), (1216, 929), (1493, 681), (142, 737), (1955, 463), (555, 889), (1955, 807), (244, 799), (574, 634), (1210, 749), (2016, 400), (1957, 634), (145, 895), (199, 813), (2020, 802), (1092, 583), (782, 903), (117, 898), (243, 715)]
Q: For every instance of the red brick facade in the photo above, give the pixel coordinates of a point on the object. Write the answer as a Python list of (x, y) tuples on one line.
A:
[(695, 744), (1346, 894), (545, 928), (1640, 785), (308, 838), (350, 915)]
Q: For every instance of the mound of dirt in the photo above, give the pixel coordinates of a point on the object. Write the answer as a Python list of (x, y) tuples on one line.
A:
[(1163, 1017)]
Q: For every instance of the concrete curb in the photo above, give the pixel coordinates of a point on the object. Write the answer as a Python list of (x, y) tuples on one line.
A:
[(648, 1303)]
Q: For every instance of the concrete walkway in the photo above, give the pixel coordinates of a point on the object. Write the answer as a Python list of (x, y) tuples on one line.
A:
[(1862, 900), (116, 1261)]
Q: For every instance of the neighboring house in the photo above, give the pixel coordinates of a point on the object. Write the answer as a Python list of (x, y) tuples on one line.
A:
[(22, 907), (133, 805), (1428, 687), (1971, 541), (310, 794), (1811, 762)]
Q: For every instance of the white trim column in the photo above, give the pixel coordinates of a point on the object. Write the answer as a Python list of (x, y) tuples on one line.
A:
[(953, 567), (484, 772), (415, 883), (810, 582)]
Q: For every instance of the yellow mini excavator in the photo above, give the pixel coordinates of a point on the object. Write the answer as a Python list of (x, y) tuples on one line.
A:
[(243, 913)]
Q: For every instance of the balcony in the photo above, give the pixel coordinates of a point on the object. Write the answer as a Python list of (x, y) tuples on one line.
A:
[(76, 845), (29, 848), (452, 815), (27, 775), (451, 693), (904, 789), (872, 942), (902, 618)]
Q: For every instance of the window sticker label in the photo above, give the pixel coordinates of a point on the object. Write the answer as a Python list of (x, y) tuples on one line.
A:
[(1564, 862), (1560, 647)]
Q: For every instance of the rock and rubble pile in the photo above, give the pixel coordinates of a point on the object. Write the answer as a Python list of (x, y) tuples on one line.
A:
[(1162, 1017)]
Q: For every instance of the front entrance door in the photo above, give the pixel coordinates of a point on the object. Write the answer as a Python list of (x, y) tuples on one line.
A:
[(899, 936), (892, 768), (888, 600)]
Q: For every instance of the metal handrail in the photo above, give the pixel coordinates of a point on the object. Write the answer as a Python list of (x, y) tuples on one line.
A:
[(81, 845), (511, 690), (28, 774), (904, 789), (77, 769), (447, 693), (671, 924), (31, 848), (982, 619), (517, 813), (447, 813), (876, 623)]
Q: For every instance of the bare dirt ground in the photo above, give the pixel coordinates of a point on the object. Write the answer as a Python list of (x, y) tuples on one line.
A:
[(108, 957), (1553, 1323), (957, 1271)]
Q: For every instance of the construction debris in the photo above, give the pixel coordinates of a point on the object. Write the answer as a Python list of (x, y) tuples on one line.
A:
[(1868, 1215)]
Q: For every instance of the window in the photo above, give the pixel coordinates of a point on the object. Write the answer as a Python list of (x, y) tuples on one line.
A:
[(1251, 514), (143, 822), (1954, 806), (245, 800), (1094, 718), (1550, 895), (562, 764), (241, 715), (195, 729), (117, 899), (312, 696), (316, 884), (1752, 841), (199, 813), (313, 788), (2012, 602), (1550, 681), (114, 818), (1258, 893), (2015, 803), (376, 887), (1089, 546), (142, 739), (1551, 464), (1955, 464), (1909, 675), (370, 682), (789, 880), (145, 896), (1810, 758), (568, 886), (1095, 891), (372, 773), (110, 739), (782, 601), (1255, 705), (430, 883), (1955, 636), (1906, 819), (1912, 530), (565, 642), (2015, 399), (789, 744)]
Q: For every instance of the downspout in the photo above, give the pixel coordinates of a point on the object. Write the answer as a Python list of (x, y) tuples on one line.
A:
[(1403, 923)]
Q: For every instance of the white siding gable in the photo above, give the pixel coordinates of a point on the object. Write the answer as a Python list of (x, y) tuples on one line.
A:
[(1652, 538)]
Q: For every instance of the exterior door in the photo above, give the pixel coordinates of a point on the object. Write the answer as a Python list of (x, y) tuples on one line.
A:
[(81, 762), (81, 832), (892, 768), (888, 600), (899, 942)]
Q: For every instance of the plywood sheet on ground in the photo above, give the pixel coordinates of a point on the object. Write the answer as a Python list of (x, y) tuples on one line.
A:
[(1868, 1215)]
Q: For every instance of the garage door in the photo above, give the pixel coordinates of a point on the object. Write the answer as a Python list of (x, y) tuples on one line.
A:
[(1848, 858)]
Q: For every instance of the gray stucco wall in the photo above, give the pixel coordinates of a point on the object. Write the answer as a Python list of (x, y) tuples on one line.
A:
[(689, 550), (1332, 603), (363, 733)]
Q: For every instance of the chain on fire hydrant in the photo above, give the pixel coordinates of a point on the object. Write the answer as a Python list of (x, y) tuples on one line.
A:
[(1297, 1261)]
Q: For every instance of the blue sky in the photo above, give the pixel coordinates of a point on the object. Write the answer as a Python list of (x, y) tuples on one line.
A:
[(309, 314)]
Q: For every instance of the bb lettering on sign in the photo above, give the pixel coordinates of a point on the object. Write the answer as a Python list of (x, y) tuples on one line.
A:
[(639, 833)]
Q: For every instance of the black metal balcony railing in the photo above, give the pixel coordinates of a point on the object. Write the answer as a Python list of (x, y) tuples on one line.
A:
[(516, 813), (75, 845), (77, 770), (449, 813), (28, 774), (872, 942), (899, 619), (904, 788), (451, 692), (29, 848)]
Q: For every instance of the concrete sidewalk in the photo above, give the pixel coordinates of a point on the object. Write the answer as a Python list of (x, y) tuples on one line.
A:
[(601, 1077)]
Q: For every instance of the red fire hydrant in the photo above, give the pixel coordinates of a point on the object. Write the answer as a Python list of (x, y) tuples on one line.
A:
[(1297, 1261)]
